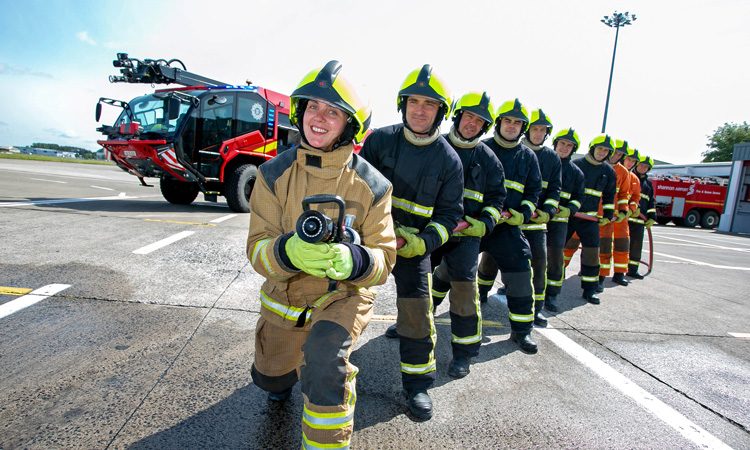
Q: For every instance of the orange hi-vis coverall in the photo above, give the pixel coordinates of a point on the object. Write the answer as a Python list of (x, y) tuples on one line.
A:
[(619, 230), (306, 330)]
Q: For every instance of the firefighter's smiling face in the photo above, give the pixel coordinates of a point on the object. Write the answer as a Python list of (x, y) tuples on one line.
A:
[(564, 148), (601, 152), (323, 124), (470, 125), (510, 128), (421, 112)]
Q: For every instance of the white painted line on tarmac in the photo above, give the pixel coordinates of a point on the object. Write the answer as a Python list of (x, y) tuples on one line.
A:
[(31, 298), (222, 219), (121, 196), (740, 335), (701, 263), (163, 243), (49, 181), (704, 244), (661, 410), (101, 187)]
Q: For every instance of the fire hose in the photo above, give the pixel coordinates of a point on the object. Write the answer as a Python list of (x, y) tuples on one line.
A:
[(650, 263)]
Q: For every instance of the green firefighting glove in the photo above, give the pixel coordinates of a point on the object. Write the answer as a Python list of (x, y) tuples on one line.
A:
[(563, 212), (476, 228), (411, 230), (621, 215), (541, 217), (515, 219), (649, 223), (636, 213), (341, 263), (313, 259), (414, 246), (603, 222)]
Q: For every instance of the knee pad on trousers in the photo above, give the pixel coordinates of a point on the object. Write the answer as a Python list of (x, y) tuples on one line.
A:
[(463, 298), (488, 266), (414, 319), (518, 284), (324, 371), (605, 246), (273, 384), (590, 256), (622, 244)]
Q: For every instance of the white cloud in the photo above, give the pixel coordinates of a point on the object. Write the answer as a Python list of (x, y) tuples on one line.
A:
[(7, 69), (83, 36)]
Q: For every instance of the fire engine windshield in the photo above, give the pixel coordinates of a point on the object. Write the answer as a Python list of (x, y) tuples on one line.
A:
[(157, 114)]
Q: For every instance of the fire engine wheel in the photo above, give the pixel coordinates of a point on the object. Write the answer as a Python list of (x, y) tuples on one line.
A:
[(239, 186), (178, 192), (692, 219), (710, 220)]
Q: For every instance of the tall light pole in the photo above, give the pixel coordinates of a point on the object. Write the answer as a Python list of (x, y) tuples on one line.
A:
[(616, 20)]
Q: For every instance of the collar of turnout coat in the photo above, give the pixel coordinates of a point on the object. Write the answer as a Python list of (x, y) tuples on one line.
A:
[(322, 164)]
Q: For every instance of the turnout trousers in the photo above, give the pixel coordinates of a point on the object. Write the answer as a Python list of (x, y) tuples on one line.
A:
[(586, 234), (617, 235), (536, 234), (456, 271), (415, 323), (556, 234), (636, 245), (507, 250), (317, 353)]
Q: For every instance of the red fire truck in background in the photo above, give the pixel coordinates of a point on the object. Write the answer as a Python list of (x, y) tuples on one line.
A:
[(689, 201)]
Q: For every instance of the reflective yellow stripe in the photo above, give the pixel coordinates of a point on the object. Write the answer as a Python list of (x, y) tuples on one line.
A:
[(564, 194), (544, 184), (644, 196), (605, 266), (559, 219), (538, 297), (637, 221), (474, 195), (484, 282), (553, 202), (419, 368), (515, 185), (621, 266), (439, 293), (633, 263), (575, 202), (264, 258), (521, 317), (493, 212), (327, 421), (531, 206), (590, 279), (593, 192), (609, 206), (257, 248), (557, 283), (411, 207), (307, 444), (622, 202), (271, 146), (533, 226), (591, 213), (442, 231), (287, 312)]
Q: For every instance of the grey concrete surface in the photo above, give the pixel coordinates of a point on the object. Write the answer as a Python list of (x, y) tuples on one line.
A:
[(154, 351)]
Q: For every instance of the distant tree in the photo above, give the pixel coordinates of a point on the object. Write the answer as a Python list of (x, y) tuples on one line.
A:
[(721, 142)]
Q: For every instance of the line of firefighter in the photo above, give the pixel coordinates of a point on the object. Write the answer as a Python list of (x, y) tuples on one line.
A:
[(507, 188)]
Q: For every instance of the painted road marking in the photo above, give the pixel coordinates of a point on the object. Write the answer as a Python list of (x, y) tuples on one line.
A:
[(438, 320), (30, 299), (744, 250), (121, 196), (5, 290), (163, 243), (49, 181), (179, 222), (661, 410), (222, 219), (740, 335), (101, 187), (701, 263)]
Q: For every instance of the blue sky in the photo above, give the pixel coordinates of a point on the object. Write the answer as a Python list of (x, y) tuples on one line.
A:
[(680, 70)]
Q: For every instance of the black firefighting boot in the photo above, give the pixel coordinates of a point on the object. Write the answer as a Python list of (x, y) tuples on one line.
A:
[(391, 332), (280, 397), (550, 303), (420, 403), (539, 319), (600, 285), (619, 278), (524, 341), (635, 275), (459, 367), (590, 296)]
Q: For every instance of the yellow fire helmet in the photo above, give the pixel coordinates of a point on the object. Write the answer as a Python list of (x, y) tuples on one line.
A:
[(539, 118), (513, 108), (325, 84), (425, 83), (568, 134), (478, 103), (602, 140), (646, 159)]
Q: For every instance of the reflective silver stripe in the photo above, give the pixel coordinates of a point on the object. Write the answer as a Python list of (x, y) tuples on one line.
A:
[(634, 263), (327, 421), (442, 231), (515, 185), (575, 202), (605, 266), (538, 297), (652, 210), (521, 317), (609, 206), (545, 184), (559, 219), (590, 279), (419, 368), (551, 201), (493, 212), (593, 192), (531, 206), (554, 282), (621, 266), (466, 340), (636, 221), (533, 226), (474, 195), (644, 196), (439, 293), (411, 207), (564, 194), (287, 312), (622, 202), (260, 245)]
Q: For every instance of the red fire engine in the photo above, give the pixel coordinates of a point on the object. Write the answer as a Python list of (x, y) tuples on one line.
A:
[(689, 201)]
